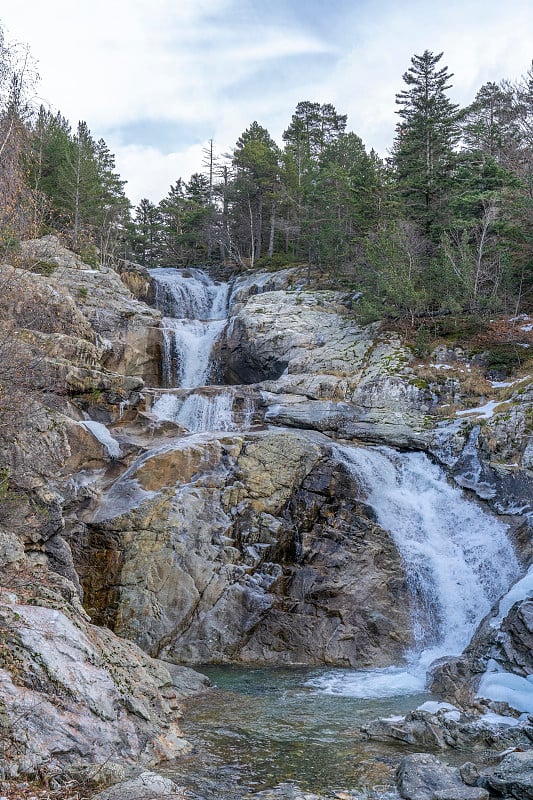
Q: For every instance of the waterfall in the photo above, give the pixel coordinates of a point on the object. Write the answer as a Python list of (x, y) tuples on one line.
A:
[(457, 557), (196, 313), (220, 410), (195, 310), (189, 294)]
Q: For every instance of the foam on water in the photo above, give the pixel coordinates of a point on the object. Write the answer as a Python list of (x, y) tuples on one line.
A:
[(189, 294), (201, 412), (187, 348), (371, 683)]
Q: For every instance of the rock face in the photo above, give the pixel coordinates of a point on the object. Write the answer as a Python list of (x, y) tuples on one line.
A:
[(126, 330), (251, 547), (320, 370), (73, 694), (258, 552)]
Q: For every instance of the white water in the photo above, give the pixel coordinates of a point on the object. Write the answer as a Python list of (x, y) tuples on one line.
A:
[(200, 412), (187, 350), (457, 557), (195, 309), (102, 434)]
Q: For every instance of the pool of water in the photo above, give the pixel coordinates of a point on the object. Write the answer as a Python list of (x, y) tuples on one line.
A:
[(261, 727)]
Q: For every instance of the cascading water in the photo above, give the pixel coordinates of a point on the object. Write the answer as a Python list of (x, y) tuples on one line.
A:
[(217, 411), (195, 310), (196, 313), (457, 557)]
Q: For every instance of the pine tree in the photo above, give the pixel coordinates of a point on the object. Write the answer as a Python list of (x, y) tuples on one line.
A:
[(488, 124), (425, 139), (145, 231), (313, 129), (256, 163)]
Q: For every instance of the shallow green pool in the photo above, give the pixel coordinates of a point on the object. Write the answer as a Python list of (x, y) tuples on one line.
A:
[(262, 727)]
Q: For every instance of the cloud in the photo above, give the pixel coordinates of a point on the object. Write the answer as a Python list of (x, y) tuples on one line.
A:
[(479, 42), (158, 80), (114, 63), (151, 172)]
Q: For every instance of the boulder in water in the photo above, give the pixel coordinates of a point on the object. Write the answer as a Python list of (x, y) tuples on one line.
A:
[(423, 777), (146, 786)]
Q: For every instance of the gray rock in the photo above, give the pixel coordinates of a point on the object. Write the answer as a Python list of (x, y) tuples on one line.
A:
[(423, 777), (284, 791), (513, 777), (257, 552), (461, 793), (87, 697), (146, 786), (469, 773), (508, 642)]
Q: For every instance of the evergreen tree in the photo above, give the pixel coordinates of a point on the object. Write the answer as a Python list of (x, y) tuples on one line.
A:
[(488, 123), (312, 130), (256, 164), (425, 139), (144, 236), (342, 204)]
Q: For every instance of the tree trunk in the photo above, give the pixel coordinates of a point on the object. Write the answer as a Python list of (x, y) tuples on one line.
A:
[(259, 233), (272, 227)]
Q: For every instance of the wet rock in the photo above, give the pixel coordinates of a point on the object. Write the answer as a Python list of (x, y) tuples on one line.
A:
[(513, 777), (423, 777), (506, 642), (449, 729), (256, 553), (146, 786), (285, 791)]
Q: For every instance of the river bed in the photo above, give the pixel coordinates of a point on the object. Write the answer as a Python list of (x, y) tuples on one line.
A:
[(258, 728)]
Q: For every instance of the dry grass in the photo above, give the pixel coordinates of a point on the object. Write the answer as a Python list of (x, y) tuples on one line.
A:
[(17, 790)]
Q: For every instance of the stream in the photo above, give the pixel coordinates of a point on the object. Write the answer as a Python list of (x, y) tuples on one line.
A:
[(259, 728)]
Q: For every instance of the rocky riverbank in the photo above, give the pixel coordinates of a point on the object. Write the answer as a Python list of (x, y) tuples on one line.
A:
[(131, 546)]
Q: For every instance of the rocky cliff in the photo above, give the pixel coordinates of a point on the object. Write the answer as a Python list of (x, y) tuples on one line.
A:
[(131, 546)]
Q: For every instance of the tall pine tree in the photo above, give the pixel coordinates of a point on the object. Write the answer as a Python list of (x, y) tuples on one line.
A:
[(425, 140)]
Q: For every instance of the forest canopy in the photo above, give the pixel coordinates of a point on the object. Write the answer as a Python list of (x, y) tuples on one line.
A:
[(443, 224)]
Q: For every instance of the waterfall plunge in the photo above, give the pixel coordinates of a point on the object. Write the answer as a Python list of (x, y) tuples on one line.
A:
[(195, 309), (200, 412), (457, 557)]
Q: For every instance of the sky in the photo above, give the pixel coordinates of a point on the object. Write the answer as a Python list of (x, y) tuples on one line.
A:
[(159, 79)]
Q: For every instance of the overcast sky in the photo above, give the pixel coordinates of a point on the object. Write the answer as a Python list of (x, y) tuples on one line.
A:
[(158, 78)]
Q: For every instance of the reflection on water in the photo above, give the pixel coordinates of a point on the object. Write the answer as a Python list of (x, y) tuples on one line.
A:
[(262, 727)]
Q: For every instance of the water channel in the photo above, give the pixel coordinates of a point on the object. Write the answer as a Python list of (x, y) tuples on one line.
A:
[(259, 728)]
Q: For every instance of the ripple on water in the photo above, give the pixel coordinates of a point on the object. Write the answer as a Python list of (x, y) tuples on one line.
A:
[(262, 727)]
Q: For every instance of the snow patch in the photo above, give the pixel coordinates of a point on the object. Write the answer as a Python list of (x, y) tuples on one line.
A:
[(485, 412), (522, 590), (505, 687)]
